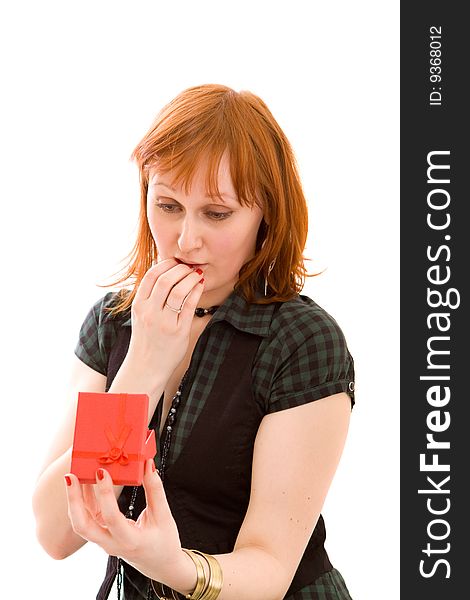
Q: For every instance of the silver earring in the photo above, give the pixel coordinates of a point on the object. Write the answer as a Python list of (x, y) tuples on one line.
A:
[(270, 268)]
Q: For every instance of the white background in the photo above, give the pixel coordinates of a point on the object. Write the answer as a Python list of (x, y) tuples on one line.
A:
[(81, 83)]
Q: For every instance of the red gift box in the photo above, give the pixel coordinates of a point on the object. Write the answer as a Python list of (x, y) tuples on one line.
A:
[(111, 432)]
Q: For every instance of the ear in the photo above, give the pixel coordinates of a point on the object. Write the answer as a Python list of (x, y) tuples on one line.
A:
[(262, 235)]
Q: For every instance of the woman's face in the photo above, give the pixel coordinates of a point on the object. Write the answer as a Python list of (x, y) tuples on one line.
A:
[(219, 235)]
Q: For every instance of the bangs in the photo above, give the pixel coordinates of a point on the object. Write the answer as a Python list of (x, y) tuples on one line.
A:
[(181, 169)]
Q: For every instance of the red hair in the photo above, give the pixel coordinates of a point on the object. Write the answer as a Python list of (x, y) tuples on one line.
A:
[(203, 123)]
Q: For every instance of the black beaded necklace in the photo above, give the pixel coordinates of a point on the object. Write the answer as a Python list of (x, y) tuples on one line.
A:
[(170, 421), (202, 312)]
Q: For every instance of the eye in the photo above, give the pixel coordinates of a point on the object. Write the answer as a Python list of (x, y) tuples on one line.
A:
[(175, 208), (168, 208), (218, 216)]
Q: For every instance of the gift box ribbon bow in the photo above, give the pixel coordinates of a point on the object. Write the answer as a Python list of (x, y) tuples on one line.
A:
[(116, 453)]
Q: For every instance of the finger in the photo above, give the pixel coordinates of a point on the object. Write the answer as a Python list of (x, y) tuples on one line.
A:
[(173, 286), (112, 517), (158, 509), (82, 522), (148, 280), (180, 291), (89, 498), (190, 304)]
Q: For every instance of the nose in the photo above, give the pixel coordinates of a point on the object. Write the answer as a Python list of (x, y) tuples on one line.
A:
[(190, 236)]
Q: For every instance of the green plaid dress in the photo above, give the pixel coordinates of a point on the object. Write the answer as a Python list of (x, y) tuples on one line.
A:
[(302, 357)]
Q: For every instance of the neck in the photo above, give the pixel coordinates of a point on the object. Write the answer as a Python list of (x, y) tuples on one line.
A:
[(215, 297)]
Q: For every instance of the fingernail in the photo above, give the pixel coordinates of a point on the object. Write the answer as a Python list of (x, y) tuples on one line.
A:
[(199, 271), (100, 474), (154, 468), (201, 280), (68, 480)]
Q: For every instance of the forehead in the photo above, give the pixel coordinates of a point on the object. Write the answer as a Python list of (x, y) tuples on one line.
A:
[(187, 165), (202, 178)]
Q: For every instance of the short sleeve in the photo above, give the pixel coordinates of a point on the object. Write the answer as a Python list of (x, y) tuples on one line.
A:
[(316, 363), (97, 335)]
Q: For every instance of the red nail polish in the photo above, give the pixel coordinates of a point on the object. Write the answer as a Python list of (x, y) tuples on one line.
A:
[(68, 480), (154, 468), (100, 474), (201, 280), (199, 271)]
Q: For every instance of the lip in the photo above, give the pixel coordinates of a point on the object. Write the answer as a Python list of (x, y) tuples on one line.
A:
[(182, 262)]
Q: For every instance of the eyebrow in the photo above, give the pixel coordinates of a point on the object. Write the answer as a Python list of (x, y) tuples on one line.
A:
[(160, 183)]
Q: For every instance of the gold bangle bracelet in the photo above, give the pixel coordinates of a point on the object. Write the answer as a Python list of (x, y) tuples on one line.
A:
[(201, 576), (215, 577), (216, 580), (207, 581), (204, 589)]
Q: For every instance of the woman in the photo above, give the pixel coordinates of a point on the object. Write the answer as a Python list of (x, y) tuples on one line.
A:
[(250, 384)]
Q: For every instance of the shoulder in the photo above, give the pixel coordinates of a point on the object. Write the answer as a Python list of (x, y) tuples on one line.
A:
[(101, 311), (99, 331), (302, 319), (305, 356), (100, 321)]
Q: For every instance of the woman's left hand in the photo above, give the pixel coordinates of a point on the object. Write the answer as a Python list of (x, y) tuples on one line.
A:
[(151, 544)]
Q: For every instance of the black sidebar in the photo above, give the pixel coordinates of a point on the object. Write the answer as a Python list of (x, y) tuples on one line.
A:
[(435, 318)]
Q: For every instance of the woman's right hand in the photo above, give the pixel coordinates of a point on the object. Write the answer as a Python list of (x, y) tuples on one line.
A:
[(160, 336)]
